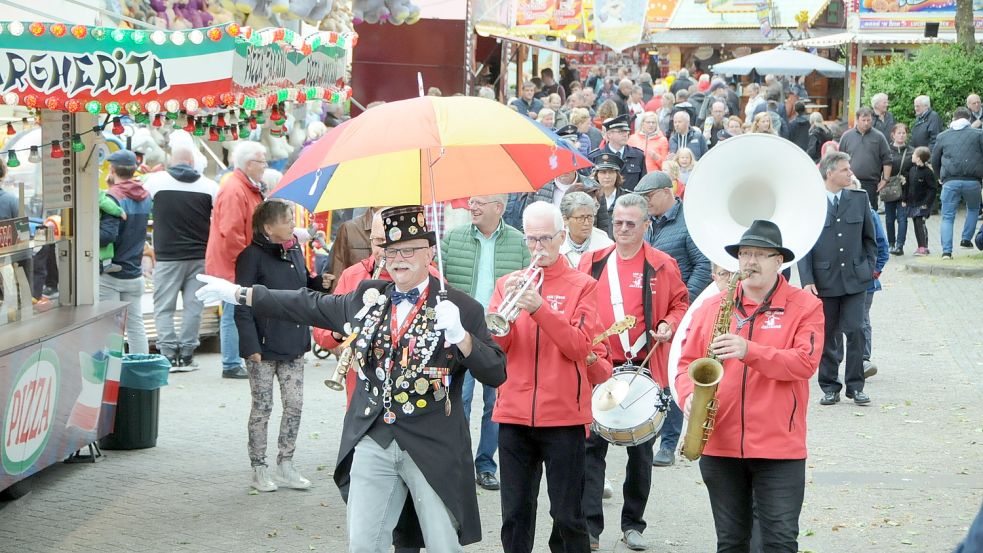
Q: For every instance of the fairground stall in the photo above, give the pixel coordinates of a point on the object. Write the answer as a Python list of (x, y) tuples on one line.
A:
[(70, 92)]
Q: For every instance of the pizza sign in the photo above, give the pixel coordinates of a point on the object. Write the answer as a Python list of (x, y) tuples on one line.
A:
[(27, 423)]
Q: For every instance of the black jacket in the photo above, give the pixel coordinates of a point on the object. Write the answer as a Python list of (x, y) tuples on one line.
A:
[(926, 129), (439, 442), (842, 261), (270, 265), (921, 187), (884, 124), (798, 132), (817, 137), (958, 155)]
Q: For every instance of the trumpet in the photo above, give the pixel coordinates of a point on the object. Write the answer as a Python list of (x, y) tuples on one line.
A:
[(337, 380), (499, 321)]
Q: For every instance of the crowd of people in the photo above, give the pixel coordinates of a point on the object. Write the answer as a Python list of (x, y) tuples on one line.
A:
[(608, 242)]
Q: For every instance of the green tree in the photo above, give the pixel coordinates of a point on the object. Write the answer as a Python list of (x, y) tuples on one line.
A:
[(946, 73)]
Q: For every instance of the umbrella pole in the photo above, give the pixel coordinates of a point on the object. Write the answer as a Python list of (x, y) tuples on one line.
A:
[(436, 223)]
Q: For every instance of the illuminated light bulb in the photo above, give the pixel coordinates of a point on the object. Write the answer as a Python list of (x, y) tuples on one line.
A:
[(11, 99), (59, 30), (134, 107), (118, 126), (113, 108), (196, 36), (177, 37), (35, 155), (79, 31), (36, 29), (215, 34), (12, 160), (77, 144), (98, 33), (233, 29), (74, 106), (191, 105), (16, 28), (139, 37), (172, 105), (93, 107), (119, 35), (158, 37), (153, 106), (52, 103), (56, 150)]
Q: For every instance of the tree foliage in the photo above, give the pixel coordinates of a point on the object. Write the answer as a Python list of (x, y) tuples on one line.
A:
[(946, 73)]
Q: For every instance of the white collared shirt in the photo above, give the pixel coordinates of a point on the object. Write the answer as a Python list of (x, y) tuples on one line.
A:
[(404, 307)]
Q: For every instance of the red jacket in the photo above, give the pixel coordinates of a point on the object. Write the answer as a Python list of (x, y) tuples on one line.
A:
[(232, 225), (762, 399), (548, 382), (667, 301), (348, 281)]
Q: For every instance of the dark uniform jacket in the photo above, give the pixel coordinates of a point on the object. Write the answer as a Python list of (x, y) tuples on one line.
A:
[(842, 261), (438, 442), (634, 167)]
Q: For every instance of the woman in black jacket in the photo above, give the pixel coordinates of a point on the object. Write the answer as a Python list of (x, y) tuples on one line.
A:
[(895, 214), (920, 195), (819, 134), (271, 347)]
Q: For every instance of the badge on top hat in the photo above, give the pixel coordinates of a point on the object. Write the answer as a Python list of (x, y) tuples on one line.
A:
[(608, 160), (406, 222), (619, 123)]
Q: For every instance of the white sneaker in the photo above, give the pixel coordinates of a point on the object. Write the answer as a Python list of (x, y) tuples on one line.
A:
[(608, 490), (288, 477), (262, 479)]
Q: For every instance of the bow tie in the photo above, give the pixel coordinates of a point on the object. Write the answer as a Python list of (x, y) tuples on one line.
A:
[(412, 296)]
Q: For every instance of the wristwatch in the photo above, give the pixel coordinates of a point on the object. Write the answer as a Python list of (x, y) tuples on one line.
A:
[(241, 295)]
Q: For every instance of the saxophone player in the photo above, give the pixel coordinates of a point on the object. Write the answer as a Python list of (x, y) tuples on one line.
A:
[(770, 351)]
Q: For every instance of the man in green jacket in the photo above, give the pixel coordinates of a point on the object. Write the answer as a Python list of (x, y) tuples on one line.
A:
[(475, 256)]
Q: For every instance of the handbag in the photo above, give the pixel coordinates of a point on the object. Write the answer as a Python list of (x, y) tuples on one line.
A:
[(892, 190)]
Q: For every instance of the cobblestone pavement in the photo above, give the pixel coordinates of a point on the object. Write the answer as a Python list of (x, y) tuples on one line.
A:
[(904, 474)]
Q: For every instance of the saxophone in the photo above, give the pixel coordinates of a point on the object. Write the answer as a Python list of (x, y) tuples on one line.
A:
[(706, 373)]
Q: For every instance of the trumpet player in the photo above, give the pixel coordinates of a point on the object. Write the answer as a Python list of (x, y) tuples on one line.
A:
[(633, 278), (545, 403), (770, 350)]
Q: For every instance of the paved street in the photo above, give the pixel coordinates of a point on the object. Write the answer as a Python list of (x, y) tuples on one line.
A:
[(903, 474)]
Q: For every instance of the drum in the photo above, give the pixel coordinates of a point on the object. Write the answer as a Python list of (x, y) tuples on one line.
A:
[(639, 411)]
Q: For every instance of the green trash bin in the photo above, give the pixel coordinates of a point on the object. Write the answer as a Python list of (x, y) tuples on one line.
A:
[(138, 406)]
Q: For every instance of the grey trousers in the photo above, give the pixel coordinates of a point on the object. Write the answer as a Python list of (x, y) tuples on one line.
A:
[(131, 290), (291, 377), (171, 278), (380, 480)]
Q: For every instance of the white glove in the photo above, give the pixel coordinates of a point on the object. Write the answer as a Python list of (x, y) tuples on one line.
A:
[(216, 289), (449, 320)]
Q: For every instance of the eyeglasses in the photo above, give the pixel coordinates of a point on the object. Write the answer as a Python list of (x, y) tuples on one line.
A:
[(630, 225), (544, 240), (581, 219), (756, 255), (405, 253), (479, 204)]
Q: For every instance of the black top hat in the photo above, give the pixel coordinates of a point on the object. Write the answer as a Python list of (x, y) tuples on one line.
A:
[(406, 222), (762, 234), (619, 123), (608, 161), (568, 132)]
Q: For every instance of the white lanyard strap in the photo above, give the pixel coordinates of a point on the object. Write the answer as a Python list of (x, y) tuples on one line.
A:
[(618, 304)]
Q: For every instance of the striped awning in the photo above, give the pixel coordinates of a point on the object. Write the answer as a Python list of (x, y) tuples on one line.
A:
[(856, 37)]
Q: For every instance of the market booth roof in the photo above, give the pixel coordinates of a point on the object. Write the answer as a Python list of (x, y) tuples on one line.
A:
[(133, 71), (780, 61), (875, 37)]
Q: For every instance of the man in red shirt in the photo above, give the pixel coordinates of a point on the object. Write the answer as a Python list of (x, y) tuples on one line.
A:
[(757, 449), (545, 402), (633, 278)]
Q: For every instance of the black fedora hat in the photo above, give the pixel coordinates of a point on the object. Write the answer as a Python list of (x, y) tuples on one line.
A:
[(762, 234)]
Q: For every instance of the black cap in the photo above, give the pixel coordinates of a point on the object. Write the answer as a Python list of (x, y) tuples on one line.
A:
[(616, 123), (569, 132), (762, 234), (608, 161), (405, 222)]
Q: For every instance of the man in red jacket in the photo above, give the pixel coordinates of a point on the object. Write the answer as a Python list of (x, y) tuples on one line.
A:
[(633, 278), (230, 233), (758, 445), (545, 403)]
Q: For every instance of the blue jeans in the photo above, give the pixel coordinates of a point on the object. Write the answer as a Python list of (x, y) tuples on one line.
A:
[(952, 192), (671, 427), (484, 460), (896, 217), (229, 338)]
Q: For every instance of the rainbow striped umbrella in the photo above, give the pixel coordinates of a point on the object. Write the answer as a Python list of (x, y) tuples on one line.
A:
[(424, 150)]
